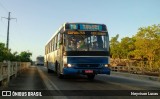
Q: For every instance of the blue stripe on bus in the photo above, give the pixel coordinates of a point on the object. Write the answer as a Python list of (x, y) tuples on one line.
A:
[(73, 71), (89, 60)]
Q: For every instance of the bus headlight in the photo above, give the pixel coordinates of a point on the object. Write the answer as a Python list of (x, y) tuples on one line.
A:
[(106, 65), (69, 65), (64, 54)]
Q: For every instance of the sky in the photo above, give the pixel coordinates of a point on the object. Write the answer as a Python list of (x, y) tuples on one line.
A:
[(38, 20)]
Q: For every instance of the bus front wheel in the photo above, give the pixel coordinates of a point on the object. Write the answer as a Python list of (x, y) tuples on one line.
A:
[(58, 71), (49, 71)]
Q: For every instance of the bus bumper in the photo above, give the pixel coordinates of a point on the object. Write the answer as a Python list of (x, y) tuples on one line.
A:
[(73, 71)]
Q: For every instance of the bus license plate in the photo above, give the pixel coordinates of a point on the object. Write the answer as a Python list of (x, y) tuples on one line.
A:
[(88, 71)]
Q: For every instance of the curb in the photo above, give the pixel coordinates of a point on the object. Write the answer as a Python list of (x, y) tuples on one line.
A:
[(135, 76)]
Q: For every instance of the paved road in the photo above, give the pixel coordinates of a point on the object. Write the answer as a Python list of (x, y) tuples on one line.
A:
[(101, 82), (37, 78)]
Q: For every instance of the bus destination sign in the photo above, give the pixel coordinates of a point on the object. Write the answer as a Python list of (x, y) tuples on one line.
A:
[(83, 33), (92, 27)]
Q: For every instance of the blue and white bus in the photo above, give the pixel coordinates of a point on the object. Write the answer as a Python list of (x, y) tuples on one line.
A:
[(39, 61), (78, 48)]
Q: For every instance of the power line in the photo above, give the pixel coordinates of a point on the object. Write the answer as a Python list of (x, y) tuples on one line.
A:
[(3, 7)]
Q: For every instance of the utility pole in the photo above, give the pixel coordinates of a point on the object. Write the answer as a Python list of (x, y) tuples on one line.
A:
[(7, 42)]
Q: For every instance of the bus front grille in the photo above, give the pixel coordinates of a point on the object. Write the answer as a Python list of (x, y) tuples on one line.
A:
[(88, 66)]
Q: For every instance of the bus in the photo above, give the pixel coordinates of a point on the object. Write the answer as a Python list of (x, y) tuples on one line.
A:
[(78, 48), (39, 60)]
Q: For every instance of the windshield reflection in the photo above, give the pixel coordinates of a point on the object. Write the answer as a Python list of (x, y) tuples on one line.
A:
[(86, 42)]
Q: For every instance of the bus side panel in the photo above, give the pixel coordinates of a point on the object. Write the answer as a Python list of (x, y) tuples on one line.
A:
[(50, 61)]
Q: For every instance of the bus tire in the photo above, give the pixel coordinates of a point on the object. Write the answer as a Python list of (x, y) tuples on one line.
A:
[(56, 64), (91, 77), (49, 71), (59, 75)]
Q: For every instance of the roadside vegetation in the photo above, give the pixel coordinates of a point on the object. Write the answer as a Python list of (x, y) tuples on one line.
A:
[(6, 55), (144, 47)]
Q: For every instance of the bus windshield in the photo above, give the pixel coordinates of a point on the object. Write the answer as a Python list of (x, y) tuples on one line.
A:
[(40, 59), (83, 42)]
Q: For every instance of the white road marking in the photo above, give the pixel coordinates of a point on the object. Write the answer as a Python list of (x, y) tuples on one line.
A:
[(49, 84)]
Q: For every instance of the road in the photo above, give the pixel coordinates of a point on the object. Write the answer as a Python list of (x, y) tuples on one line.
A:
[(37, 78), (101, 82)]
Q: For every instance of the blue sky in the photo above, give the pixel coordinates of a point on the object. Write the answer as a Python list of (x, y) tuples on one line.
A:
[(37, 20)]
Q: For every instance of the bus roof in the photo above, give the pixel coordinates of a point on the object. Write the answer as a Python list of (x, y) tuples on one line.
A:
[(82, 23), (39, 56)]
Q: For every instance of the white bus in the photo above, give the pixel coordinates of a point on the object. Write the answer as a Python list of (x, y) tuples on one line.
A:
[(39, 60), (78, 48)]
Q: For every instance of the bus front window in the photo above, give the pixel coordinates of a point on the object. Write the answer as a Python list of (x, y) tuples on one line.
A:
[(86, 43)]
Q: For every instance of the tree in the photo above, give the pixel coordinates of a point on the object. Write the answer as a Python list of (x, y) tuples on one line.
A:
[(6, 54), (25, 56), (114, 46), (147, 44), (127, 46)]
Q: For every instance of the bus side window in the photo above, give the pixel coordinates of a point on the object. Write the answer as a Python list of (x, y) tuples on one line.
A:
[(45, 49), (55, 43), (58, 38), (61, 39), (50, 46)]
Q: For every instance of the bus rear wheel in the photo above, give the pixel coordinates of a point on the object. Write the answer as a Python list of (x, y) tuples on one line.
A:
[(91, 77)]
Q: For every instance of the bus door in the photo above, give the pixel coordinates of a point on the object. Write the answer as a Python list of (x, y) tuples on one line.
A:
[(60, 51)]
